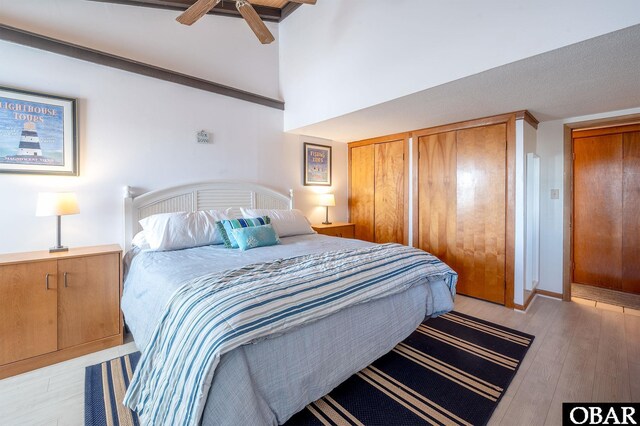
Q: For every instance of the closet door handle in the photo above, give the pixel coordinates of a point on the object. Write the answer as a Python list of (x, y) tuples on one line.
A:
[(46, 281), (65, 280)]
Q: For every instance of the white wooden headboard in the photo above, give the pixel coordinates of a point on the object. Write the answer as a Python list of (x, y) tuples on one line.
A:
[(209, 195)]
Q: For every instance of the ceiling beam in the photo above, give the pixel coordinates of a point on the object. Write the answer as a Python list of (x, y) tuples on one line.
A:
[(37, 41), (228, 8), (288, 9)]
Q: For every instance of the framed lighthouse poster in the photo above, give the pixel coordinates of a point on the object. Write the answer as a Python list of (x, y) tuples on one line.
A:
[(38, 133)]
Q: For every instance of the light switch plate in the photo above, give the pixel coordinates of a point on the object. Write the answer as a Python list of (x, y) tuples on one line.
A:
[(555, 194)]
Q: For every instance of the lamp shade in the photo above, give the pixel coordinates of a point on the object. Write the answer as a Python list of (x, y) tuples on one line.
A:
[(327, 200), (57, 204)]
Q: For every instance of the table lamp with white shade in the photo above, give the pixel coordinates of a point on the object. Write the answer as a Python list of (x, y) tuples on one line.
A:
[(327, 200), (57, 204)]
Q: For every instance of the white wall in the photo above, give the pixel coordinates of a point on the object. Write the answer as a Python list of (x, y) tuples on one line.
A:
[(307, 196), (550, 148), (215, 48), (525, 143), (141, 132), (532, 209), (341, 56)]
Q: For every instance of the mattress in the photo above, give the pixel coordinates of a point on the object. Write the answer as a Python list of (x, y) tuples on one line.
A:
[(269, 380)]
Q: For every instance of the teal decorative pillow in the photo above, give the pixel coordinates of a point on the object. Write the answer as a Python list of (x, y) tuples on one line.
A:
[(226, 226), (255, 236)]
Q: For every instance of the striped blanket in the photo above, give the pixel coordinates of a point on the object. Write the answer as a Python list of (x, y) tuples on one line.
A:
[(216, 313)]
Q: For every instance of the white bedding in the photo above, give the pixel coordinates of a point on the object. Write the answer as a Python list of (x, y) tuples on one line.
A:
[(152, 277), (268, 381)]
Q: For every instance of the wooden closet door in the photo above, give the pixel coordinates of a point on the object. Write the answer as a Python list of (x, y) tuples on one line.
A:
[(631, 213), (389, 192), (597, 211), (481, 212), (362, 197), (437, 193)]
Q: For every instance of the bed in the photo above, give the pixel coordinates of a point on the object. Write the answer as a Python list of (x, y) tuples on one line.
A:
[(270, 378)]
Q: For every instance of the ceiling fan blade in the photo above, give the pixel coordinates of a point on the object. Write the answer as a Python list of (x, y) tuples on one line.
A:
[(251, 16), (196, 11), (303, 1)]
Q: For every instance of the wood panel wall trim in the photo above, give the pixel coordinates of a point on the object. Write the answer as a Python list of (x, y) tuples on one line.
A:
[(533, 295), (485, 121), (567, 219), (549, 294), (415, 193), (406, 189), (602, 131), (389, 138), (37, 41), (223, 8), (288, 10), (527, 302), (528, 117), (600, 123), (510, 238)]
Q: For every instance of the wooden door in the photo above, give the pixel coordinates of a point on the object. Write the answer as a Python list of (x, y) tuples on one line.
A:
[(437, 194), (28, 321), (389, 192), (631, 213), (362, 197), (462, 206), (597, 210), (481, 211), (89, 290)]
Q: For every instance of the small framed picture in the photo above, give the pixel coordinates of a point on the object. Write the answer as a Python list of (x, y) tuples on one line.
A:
[(317, 164), (38, 133)]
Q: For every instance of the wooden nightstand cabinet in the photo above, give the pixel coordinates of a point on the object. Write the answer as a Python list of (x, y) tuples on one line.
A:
[(336, 229), (57, 306)]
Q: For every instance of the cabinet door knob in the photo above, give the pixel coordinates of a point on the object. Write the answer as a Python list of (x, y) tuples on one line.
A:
[(65, 280), (46, 282)]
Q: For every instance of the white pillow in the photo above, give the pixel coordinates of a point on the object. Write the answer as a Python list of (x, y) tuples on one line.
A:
[(175, 231), (140, 241), (285, 222)]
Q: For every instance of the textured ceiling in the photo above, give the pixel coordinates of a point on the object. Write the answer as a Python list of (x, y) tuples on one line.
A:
[(597, 75)]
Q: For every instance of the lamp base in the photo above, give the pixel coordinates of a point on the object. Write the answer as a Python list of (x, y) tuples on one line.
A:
[(58, 249), (326, 218)]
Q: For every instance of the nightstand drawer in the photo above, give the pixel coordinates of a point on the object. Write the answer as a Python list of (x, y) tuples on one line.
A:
[(337, 230)]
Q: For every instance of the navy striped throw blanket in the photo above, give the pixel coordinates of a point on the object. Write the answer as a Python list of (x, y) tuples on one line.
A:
[(214, 314)]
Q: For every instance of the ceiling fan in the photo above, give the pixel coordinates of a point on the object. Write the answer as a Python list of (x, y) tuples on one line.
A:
[(201, 7)]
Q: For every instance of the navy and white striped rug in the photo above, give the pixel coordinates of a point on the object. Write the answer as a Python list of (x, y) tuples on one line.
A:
[(452, 370)]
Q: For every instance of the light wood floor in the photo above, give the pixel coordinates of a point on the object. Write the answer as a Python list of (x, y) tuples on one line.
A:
[(581, 353)]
